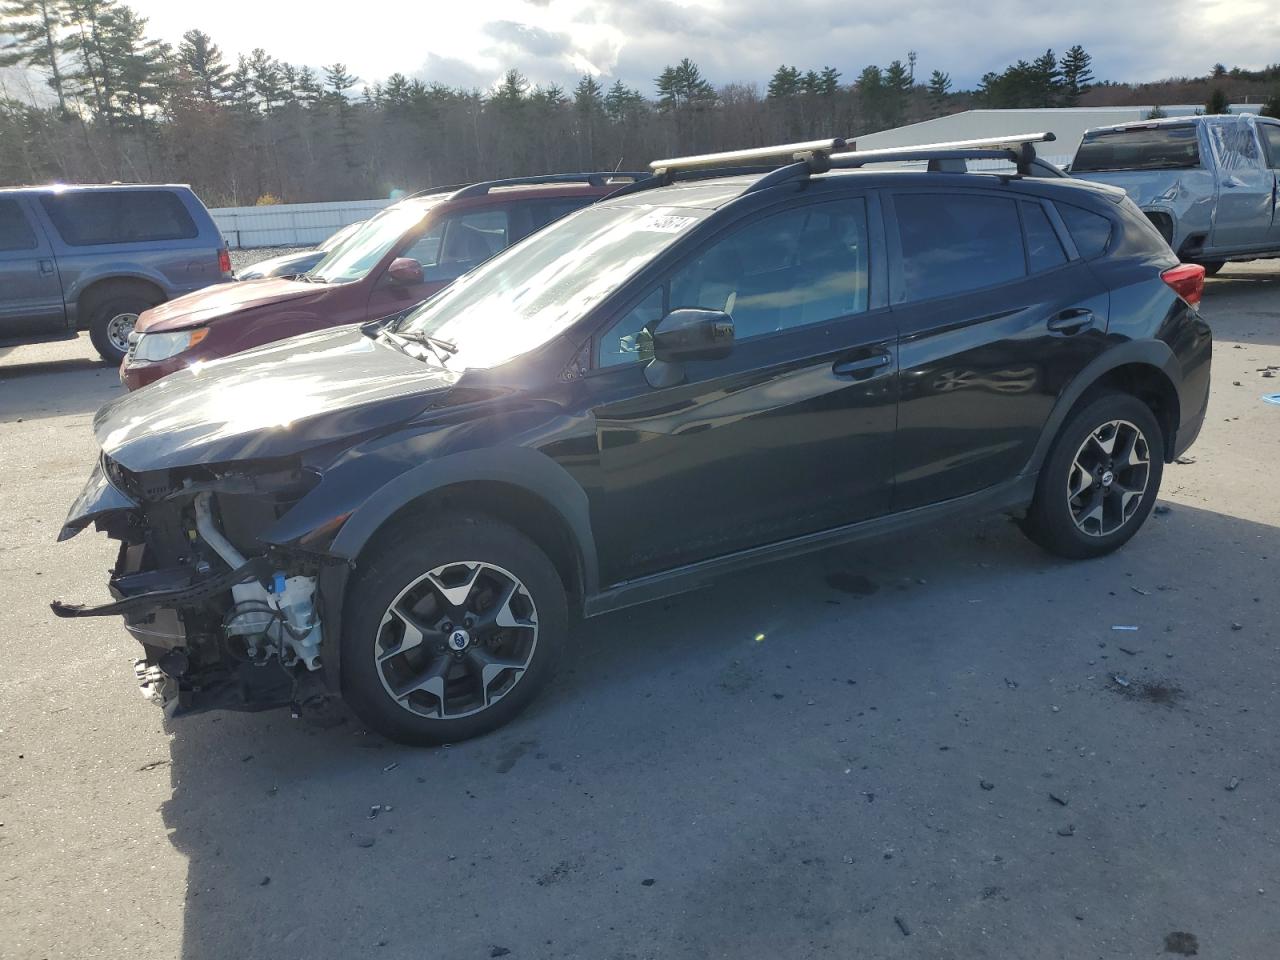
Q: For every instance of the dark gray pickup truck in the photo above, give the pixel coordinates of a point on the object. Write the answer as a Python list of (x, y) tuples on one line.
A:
[(77, 257), (1210, 184)]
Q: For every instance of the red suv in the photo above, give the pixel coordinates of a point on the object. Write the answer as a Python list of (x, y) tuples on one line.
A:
[(406, 253)]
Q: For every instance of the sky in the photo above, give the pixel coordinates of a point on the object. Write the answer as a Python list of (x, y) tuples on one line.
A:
[(556, 41)]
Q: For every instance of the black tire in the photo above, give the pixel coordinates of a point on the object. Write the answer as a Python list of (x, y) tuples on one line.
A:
[(1065, 526), (1211, 267), (389, 570), (103, 332)]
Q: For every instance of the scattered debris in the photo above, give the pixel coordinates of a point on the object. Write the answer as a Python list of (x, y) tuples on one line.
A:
[(1237, 626), (1055, 708), (986, 785), (1124, 627), (1132, 653), (1068, 831), (1011, 684), (989, 893), (1185, 461), (1122, 681), (1057, 799), (264, 881), (376, 809), (1233, 783), (1138, 590), (499, 951), (648, 882), (1184, 944), (1235, 383), (364, 840), (902, 925), (146, 766), (390, 766)]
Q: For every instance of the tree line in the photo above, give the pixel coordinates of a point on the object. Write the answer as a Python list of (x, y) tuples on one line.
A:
[(121, 105)]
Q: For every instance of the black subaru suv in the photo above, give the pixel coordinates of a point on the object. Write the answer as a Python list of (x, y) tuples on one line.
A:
[(707, 370)]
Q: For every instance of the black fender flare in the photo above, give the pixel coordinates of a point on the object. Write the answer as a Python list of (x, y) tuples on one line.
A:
[(522, 467), (1151, 353)]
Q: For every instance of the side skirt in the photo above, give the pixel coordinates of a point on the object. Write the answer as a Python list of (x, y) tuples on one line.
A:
[(1011, 495)]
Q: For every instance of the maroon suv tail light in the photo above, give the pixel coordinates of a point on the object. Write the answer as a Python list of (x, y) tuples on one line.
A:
[(1186, 280)]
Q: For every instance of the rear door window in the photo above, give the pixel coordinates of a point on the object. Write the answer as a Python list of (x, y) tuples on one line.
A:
[(1044, 249), (15, 232), (1090, 231), (953, 243), (1138, 148), (90, 217)]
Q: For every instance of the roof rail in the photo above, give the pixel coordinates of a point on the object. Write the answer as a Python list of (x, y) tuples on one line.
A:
[(815, 153), (593, 179)]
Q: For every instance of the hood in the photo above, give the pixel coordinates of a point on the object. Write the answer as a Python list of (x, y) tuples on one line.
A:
[(275, 401), (222, 299), (285, 265)]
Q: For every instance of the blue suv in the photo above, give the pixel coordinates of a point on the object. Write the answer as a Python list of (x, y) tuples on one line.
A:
[(77, 257)]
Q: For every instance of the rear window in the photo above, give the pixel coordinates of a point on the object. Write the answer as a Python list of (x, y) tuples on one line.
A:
[(1090, 231), (1044, 249), (119, 216), (954, 243), (1138, 148), (15, 232)]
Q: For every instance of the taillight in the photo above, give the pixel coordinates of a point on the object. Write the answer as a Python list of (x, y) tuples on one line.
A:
[(224, 261), (1186, 280)]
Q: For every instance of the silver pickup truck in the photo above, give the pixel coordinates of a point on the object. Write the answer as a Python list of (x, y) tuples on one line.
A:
[(1210, 184)]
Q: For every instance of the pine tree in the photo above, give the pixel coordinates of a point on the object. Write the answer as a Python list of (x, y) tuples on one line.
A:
[(142, 67), (93, 72), (622, 101), (1076, 74), (828, 82), (785, 83), (1217, 102), (203, 60), (939, 87), (1045, 80), (33, 28), (512, 90), (268, 82), (897, 88), (684, 86), (1271, 107)]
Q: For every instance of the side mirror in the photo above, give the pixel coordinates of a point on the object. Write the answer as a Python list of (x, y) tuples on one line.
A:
[(404, 271), (683, 335), (692, 334)]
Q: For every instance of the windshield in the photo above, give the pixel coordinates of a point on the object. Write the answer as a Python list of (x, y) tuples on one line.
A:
[(535, 290), (359, 253), (1138, 148)]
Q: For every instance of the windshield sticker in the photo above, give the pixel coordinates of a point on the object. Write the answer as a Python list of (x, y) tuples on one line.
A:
[(664, 223)]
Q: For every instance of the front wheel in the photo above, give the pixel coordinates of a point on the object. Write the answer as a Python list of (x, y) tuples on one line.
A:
[(450, 630), (1100, 480)]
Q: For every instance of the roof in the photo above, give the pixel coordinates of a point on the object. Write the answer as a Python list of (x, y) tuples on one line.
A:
[(82, 187)]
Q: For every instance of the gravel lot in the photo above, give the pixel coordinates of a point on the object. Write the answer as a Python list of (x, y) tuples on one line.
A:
[(915, 748)]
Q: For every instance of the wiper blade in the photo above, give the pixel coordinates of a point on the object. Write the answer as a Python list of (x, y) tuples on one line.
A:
[(435, 343), (439, 348)]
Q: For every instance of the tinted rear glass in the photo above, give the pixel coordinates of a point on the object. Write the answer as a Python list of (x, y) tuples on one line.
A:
[(1090, 231), (954, 243), (1044, 249), (15, 232), (1135, 148), (119, 216)]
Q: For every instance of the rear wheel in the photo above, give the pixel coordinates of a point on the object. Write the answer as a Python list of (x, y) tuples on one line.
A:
[(1100, 480), (450, 630), (112, 319)]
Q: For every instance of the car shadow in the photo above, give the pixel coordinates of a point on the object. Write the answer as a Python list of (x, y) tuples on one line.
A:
[(56, 394), (1241, 303), (774, 760)]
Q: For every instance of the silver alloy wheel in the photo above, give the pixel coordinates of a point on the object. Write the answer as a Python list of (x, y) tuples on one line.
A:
[(118, 329), (1108, 478), (456, 640)]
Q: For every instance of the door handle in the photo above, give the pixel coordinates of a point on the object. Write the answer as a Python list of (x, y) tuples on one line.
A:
[(46, 267), (862, 367), (1070, 322)]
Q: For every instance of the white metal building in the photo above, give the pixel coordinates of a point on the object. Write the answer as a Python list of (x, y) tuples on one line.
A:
[(1067, 123), (290, 224)]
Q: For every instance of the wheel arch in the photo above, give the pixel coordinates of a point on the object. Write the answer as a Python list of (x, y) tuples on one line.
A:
[(516, 485), (1146, 369), (100, 289)]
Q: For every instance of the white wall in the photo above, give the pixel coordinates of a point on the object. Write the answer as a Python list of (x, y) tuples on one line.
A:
[(290, 224)]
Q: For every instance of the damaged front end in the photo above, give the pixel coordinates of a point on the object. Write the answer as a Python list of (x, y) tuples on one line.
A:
[(225, 621)]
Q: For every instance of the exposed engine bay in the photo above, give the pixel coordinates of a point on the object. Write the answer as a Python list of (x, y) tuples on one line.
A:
[(224, 622)]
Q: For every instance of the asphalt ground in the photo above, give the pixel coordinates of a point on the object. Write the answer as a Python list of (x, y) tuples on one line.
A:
[(930, 746)]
